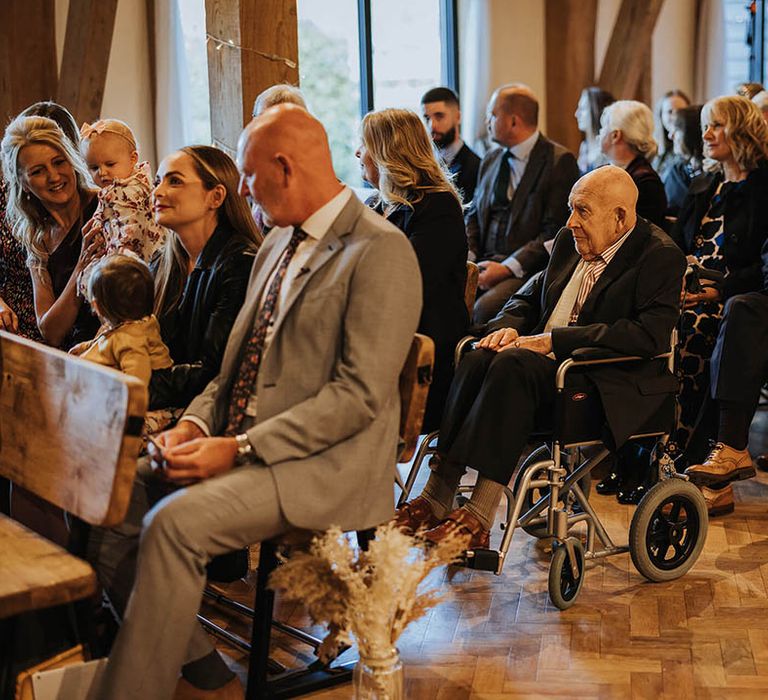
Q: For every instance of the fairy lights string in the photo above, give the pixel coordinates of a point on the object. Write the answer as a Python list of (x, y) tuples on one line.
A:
[(220, 43)]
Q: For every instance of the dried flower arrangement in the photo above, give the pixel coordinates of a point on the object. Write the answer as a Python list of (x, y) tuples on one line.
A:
[(369, 595)]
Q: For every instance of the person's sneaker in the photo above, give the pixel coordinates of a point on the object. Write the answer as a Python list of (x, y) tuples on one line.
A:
[(414, 515), (719, 501), (723, 464), (463, 523)]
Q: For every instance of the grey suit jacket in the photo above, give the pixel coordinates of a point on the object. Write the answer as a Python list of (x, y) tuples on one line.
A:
[(327, 391)]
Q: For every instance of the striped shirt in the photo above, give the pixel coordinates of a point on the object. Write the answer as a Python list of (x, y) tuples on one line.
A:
[(594, 268)]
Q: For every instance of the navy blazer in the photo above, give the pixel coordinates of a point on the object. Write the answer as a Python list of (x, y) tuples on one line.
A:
[(744, 207), (651, 197)]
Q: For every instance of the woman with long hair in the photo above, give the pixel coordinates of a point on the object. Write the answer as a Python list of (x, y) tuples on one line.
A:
[(416, 194), (722, 227), (688, 148), (670, 102), (592, 102), (201, 273), (49, 201), (17, 307)]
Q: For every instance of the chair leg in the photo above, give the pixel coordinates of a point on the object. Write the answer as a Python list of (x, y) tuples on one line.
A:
[(262, 623)]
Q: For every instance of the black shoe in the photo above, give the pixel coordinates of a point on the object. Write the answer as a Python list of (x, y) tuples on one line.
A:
[(631, 497), (609, 486), (761, 463)]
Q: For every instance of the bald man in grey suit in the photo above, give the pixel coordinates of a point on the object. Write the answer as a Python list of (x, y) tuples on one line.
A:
[(307, 438)]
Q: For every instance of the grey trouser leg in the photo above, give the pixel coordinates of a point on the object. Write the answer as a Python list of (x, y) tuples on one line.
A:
[(179, 537), (112, 552)]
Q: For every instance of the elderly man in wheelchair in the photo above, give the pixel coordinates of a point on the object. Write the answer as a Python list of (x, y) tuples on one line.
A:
[(580, 354)]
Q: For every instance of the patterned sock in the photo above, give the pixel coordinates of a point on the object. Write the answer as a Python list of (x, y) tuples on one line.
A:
[(486, 497), (441, 486)]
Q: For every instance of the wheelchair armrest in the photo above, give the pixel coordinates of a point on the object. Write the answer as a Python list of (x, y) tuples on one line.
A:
[(590, 354), (463, 346)]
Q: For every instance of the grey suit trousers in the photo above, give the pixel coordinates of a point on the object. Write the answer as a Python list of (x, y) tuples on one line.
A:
[(179, 535)]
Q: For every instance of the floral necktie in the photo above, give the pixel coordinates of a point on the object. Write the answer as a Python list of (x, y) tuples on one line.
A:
[(245, 383)]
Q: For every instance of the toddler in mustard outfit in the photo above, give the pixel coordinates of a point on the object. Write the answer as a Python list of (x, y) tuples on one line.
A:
[(121, 293)]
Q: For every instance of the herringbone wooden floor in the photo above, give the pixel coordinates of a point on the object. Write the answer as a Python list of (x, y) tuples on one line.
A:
[(705, 635)]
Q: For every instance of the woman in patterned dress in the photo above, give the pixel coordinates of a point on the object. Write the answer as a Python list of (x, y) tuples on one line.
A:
[(722, 227), (17, 309)]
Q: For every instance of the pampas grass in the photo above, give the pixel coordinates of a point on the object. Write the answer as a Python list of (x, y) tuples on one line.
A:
[(369, 596)]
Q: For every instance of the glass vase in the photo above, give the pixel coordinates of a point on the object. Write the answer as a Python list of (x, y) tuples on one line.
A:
[(379, 678)]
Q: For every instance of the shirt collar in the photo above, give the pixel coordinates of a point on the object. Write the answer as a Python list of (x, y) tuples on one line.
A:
[(522, 150), (318, 223), (450, 152), (609, 253)]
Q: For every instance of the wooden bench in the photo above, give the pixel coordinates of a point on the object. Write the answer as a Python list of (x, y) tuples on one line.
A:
[(70, 434)]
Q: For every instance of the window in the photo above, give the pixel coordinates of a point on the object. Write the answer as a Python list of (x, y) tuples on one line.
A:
[(406, 51), (736, 48), (198, 121), (329, 73), (359, 55)]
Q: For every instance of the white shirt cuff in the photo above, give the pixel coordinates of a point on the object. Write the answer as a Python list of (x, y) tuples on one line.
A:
[(198, 422), (514, 266)]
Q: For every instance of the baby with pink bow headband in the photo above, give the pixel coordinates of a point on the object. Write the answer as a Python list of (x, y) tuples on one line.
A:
[(124, 213)]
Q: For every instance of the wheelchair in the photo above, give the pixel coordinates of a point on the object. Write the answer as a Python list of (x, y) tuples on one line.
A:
[(548, 497)]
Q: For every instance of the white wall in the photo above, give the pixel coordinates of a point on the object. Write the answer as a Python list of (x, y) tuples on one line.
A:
[(510, 47), (128, 91)]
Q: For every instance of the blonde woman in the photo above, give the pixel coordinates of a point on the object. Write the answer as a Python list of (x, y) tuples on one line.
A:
[(722, 227), (417, 195), (49, 202), (626, 138)]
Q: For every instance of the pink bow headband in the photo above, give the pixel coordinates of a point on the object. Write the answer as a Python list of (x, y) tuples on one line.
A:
[(103, 126)]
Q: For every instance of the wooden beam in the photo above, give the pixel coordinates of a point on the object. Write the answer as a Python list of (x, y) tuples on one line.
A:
[(252, 44), (570, 64), (27, 54), (625, 59), (90, 24)]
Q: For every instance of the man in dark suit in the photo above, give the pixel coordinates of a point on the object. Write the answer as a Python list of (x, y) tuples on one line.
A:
[(520, 201), (442, 114), (613, 282)]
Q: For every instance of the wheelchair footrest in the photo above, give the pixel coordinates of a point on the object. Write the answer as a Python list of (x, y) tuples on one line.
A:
[(482, 559)]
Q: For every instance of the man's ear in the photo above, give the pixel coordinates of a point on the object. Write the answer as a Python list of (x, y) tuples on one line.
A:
[(621, 218), (284, 163)]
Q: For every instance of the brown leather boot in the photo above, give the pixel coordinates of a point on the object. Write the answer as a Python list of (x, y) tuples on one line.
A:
[(719, 501), (414, 515), (723, 464)]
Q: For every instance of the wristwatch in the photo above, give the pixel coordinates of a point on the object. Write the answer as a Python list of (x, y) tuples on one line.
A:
[(244, 449)]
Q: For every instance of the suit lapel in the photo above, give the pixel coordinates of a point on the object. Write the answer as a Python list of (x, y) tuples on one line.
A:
[(325, 249), (536, 163)]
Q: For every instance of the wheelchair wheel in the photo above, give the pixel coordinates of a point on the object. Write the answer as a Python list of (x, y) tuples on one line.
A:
[(563, 586), (668, 530)]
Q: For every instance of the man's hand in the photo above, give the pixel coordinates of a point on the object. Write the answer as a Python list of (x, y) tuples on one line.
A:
[(491, 273), (183, 432), (498, 340), (541, 343), (199, 459)]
